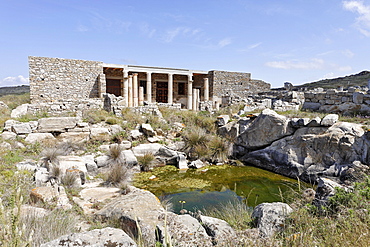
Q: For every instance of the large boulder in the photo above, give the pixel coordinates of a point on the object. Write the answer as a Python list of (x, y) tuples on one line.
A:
[(19, 111), (97, 238), (136, 207), (312, 152), (182, 230), (142, 149), (265, 129), (220, 231), (57, 124), (51, 194), (270, 217), (21, 128), (39, 137)]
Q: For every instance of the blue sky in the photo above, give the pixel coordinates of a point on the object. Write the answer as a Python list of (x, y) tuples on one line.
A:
[(277, 41)]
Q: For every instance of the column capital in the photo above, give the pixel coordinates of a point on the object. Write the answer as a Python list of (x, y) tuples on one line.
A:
[(130, 76), (135, 74), (125, 74)]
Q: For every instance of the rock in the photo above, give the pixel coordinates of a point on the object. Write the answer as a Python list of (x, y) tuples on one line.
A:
[(182, 162), (5, 146), (9, 123), (329, 120), (98, 238), (270, 217), (115, 129), (311, 106), (104, 148), (74, 137), (28, 165), (51, 194), (71, 163), (183, 230), (30, 211), (197, 164), (21, 128), (142, 149), (3, 105), (222, 120), (39, 137), (99, 133), (325, 189), (315, 122), (299, 122), (7, 135), (221, 232), (130, 158), (19, 111), (311, 152), (90, 164), (102, 161), (137, 206), (265, 129), (358, 98), (56, 124), (125, 144), (93, 199), (135, 134), (41, 176), (148, 130)]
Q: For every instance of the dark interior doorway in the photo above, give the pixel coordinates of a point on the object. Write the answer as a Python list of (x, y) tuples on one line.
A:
[(162, 92), (114, 86)]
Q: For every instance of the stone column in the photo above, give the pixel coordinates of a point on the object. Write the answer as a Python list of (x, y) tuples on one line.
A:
[(125, 87), (102, 85), (149, 87), (135, 90), (141, 96), (194, 99), (130, 92), (206, 89), (190, 93), (170, 89), (198, 98)]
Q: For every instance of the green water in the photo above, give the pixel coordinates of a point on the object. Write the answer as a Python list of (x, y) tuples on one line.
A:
[(210, 186)]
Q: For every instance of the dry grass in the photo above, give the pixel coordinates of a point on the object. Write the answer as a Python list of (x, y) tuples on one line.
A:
[(118, 176), (146, 161)]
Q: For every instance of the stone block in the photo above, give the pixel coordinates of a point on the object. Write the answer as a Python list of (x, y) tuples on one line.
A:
[(57, 124), (358, 98)]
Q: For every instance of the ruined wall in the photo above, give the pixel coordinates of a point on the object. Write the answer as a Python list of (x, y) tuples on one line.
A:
[(345, 102), (53, 79), (235, 84)]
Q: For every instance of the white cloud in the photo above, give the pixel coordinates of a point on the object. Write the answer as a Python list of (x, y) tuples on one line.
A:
[(315, 63), (14, 81), (254, 45), (82, 28), (224, 42), (363, 11), (348, 53), (185, 32), (147, 30)]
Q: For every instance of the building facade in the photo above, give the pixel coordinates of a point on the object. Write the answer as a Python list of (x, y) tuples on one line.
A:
[(58, 79)]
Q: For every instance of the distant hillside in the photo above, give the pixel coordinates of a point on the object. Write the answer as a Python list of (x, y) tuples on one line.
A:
[(14, 90), (360, 79)]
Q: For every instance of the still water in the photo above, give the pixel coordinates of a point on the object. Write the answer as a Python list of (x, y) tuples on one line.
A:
[(210, 186)]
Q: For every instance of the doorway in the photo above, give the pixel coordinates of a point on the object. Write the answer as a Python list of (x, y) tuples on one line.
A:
[(114, 86), (162, 92)]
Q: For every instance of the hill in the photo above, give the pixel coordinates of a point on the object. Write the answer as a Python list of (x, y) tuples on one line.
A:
[(14, 90), (360, 79)]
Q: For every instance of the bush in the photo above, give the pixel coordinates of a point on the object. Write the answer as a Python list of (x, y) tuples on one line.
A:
[(117, 175), (145, 161)]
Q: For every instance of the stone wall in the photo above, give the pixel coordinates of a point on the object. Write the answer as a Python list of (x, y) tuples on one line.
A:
[(53, 79), (235, 84), (345, 102)]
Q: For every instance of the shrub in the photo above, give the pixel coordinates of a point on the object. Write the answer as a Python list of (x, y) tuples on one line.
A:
[(219, 149), (69, 179), (117, 175), (50, 155), (115, 155), (145, 161)]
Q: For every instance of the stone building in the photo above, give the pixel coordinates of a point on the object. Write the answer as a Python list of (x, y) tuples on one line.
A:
[(57, 80)]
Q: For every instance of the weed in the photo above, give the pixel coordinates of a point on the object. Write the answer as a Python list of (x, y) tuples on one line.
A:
[(117, 175), (145, 161), (69, 179)]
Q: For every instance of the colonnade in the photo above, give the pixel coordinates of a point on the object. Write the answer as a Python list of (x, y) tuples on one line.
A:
[(134, 95)]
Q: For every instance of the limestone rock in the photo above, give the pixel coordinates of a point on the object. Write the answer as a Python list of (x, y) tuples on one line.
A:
[(74, 137), (51, 194), (311, 152), (325, 189), (102, 161), (265, 129), (19, 111), (99, 133), (221, 232), (197, 164), (148, 130), (7, 135), (39, 137), (9, 123), (135, 134), (183, 230), (21, 128), (329, 120), (98, 238), (115, 129), (137, 206), (28, 165), (5, 146), (130, 158), (56, 124), (222, 120), (270, 217), (315, 122), (142, 149)]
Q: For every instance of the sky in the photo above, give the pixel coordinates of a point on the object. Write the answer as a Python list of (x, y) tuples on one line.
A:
[(295, 41)]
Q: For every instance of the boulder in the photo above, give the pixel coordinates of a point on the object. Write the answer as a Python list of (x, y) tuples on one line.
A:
[(115, 129), (28, 165), (312, 152), (197, 164), (136, 207), (148, 130), (9, 123), (329, 120), (19, 111), (39, 137), (135, 134), (130, 158), (90, 164), (270, 217), (265, 129), (74, 137), (182, 163), (7, 135), (98, 238), (56, 124), (221, 232), (182, 230), (3, 105), (99, 133), (142, 149), (41, 176), (91, 199), (101, 161), (21, 128), (51, 194), (222, 120), (358, 98), (5, 146), (325, 189), (315, 122)]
